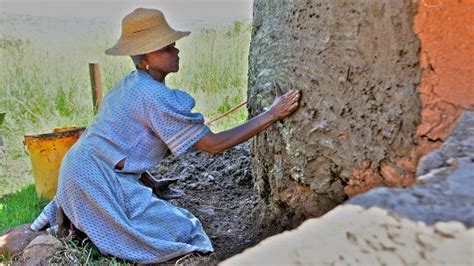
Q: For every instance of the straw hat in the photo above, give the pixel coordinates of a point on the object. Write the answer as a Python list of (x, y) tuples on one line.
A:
[(144, 31)]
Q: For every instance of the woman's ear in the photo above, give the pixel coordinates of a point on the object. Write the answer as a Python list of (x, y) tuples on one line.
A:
[(143, 63)]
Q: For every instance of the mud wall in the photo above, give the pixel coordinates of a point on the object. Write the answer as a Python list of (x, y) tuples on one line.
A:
[(382, 83), (357, 65), (446, 31), (430, 223)]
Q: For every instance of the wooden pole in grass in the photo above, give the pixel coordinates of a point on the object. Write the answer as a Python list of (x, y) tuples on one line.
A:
[(96, 85)]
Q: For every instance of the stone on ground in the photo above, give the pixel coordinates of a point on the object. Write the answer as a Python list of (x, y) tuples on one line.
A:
[(40, 250), (14, 241)]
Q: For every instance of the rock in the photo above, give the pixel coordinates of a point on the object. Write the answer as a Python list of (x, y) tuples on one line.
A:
[(431, 161), (441, 198), (15, 240), (446, 192), (352, 235), (40, 250)]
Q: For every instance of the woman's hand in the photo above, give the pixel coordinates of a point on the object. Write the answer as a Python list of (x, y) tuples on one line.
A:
[(282, 107), (285, 104)]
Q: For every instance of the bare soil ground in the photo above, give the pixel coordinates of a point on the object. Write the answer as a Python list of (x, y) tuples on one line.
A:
[(219, 191)]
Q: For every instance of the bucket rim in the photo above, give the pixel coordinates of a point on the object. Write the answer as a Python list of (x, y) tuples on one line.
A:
[(74, 131)]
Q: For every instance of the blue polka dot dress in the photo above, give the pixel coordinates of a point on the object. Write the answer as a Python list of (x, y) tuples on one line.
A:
[(139, 120)]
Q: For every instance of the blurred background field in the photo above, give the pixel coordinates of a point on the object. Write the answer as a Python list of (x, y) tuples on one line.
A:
[(44, 78)]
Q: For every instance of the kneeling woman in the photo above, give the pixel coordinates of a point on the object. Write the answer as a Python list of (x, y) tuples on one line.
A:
[(139, 121)]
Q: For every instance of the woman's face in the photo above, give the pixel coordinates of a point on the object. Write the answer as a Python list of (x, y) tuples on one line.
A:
[(163, 61)]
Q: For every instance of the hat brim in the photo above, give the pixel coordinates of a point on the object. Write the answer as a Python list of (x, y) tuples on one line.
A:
[(143, 45)]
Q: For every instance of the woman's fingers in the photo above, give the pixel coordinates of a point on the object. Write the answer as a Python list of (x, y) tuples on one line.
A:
[(292, 102), (285, 104), (294, 106), (294, 95), (277, 89), (291, 94)]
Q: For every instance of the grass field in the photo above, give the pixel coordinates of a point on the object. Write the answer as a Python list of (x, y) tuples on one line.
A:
[(46, 85), (20, 208)]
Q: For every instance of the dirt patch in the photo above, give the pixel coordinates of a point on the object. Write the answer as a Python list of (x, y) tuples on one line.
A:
[(219, 191)]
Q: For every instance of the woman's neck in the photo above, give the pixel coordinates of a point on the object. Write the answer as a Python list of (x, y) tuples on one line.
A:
[(156, 75)]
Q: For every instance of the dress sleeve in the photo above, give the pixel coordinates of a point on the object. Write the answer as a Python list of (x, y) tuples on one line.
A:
[(171, 119)]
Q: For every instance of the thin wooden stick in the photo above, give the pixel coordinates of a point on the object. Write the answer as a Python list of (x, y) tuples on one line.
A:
[(96, 85), (226, 113)]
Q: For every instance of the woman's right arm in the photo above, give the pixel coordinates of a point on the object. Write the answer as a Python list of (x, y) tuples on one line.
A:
[(282, 107)]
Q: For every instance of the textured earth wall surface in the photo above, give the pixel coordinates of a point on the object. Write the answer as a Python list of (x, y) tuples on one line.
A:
[(430, 223), (357, 65)]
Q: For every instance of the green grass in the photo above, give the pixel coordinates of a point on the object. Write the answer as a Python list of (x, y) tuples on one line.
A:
[(20, 208)]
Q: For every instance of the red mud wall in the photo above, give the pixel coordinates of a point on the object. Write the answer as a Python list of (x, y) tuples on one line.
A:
[(446, 31)]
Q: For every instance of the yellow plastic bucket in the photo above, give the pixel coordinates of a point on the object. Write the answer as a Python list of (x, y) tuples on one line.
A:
[(46, 152)]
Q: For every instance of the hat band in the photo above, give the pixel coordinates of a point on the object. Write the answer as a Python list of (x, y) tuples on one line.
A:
[(150, 32)]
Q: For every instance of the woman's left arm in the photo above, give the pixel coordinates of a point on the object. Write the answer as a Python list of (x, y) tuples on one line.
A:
[(282, 107)]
